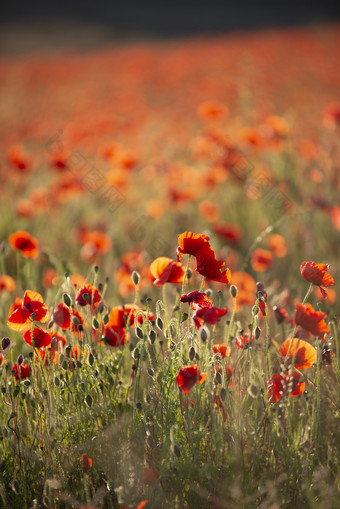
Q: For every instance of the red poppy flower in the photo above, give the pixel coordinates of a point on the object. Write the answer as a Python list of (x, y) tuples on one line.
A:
[(261, 260), (7, 283), (164, 270), (33, 303), (86, 462), (197, 299), (282, 384), (317, 274), (95, 244), (77, 322), (24, 371), (304, 353), (62, 316), (231, 233), (40, 337), (24, 242), (115, 335), (311, 320), (208, 314), (191, 243), (242, 342), (188, 376), (91, 292), (2, 358), (150, 476), (208, 266), (222, 350), (212, 110), (119, 314), (281, 315)]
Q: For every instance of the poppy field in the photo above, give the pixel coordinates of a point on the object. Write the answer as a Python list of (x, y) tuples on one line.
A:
[(169, 271)]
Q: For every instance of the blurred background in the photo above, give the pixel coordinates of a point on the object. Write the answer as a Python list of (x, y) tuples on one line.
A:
[(41, 25)]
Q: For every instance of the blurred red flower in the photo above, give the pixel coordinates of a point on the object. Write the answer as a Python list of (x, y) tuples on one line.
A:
[(24, 242), (33, 303), (24, 371), (86, 462), (62, 316), (39, 336), (188, 376), (92, 293), (282, 384), (208, 314)]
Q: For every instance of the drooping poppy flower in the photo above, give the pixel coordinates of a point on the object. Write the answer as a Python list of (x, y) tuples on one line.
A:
[(33, 303), (277, 244), (282, 384), (24, 371), (242, 341), (261, 260), (24, 242), (222, 350), (150, 476), (86, 462), (164, 270), (208, 314), (311, 320), (7, 283), (281, 315), (62, 316), (197, 299), (208, 266), (304, 353), (93, 297), (39, 336), (317, 274), (261, 294), (188, 376)]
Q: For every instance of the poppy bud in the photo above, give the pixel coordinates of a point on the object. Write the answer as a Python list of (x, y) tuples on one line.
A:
[(54, 342), (159, 323), (86, 462), (96, 269), (189, 273), (5, 343), (209, 292), (152, 337), (100, 287), (257, 332), (204, 334), (100, 307), (20, 359), (95, 323), (67, 299), (135, 277), (139, 332), (33, 315), (192, 353), (177, 451), (218, 378), (233, 291), (151, 372)]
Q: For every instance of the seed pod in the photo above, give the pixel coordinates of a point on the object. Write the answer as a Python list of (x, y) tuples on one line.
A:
[(135, 277)]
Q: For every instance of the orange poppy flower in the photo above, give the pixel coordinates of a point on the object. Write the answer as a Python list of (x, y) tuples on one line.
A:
[(142, 504), (282, 384), (197, 299), (33, 303), (222, 350), (150, 476), (77, 280), (311, 320), (317, 274), (95, 244), (24, 242), (246, 289), (62, 316), (304, 353), (208, 314), (92, 293), (49, 278), (188, 376), (212, 110), (40, 337), (115, 335), (277, 245), (7, 283), (165, 270), (119, 314), (18, 158), (242, 342), (261, 260)]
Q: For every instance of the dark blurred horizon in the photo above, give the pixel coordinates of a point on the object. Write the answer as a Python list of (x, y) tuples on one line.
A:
[(83, 24)]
